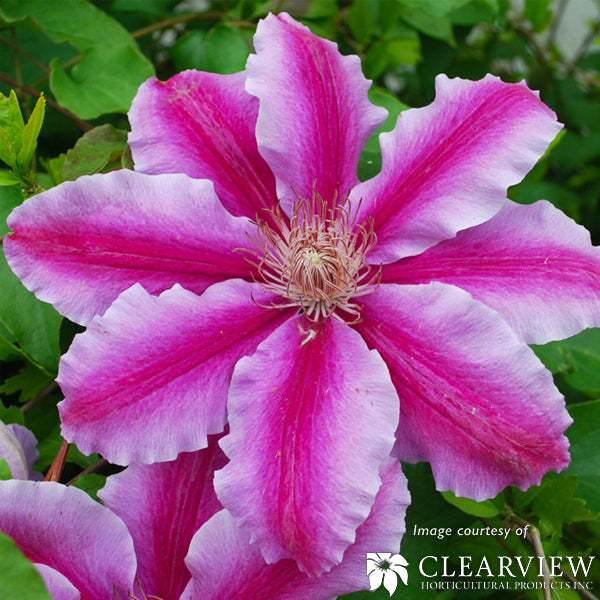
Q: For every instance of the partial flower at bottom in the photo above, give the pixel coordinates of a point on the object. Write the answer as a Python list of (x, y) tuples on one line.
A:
[(18, 449), (163, 535)]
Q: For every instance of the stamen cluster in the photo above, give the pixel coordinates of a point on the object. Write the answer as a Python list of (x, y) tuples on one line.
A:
[(317, 259)]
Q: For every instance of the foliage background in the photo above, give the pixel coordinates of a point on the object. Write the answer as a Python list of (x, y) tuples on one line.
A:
[(87, 59)]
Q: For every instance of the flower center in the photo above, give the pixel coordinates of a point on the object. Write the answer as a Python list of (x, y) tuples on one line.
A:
[(317, 261)]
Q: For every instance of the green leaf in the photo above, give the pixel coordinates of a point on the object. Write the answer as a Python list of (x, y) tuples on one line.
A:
[(5, 473), (435, 8), (29, 382), (556, 505), (11, 414), (11, 129), (429, 511), (30, 135), (8, 351), (370, 160), (18, 578), (584, 435), (8, 178), (476, 11), (33, 324), (43, 421), (92, 89), (10, 197), (54, 167), (155, 9), (564, 594), (361, 20), (391, 52), (538, 13), (93, 151), (439, 27), (576, 360), (111, 66), (488, 508), (319, 9), (223, 49), (90, 484)]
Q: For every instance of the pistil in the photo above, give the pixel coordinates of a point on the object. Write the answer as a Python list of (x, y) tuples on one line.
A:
[(317, 262)]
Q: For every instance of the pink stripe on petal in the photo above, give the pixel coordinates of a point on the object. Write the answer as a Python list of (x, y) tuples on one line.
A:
[(532, 264), (63, 528), (475, 400), (314, 116), (149, 379), (163, 505), (310, 425), (447, 166), (224, 564), (79, 245), (202, 124)]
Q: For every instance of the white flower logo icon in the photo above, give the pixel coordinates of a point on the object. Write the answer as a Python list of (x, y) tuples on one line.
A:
[(385, 567)]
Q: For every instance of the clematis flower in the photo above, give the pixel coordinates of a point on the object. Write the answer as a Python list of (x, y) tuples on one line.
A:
[(162, 534), (244, 274), (18, 449)]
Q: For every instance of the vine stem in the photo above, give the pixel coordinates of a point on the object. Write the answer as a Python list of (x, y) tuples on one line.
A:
[(85, 126), (26, 54), (171, 21), (45, 392), (534, 538), (91, 469)]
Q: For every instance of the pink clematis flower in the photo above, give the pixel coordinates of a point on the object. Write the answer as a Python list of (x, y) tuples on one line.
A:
[(244, 274), (162, 534), (18, 449)]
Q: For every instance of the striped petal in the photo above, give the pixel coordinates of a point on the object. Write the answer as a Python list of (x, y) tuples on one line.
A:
[(82, 243), (532, 264), (63, 528), (475, 400), (224, 564), (314, 116), (163, 505), (202, 124), (447, 166), (311, 421), (149, 379)]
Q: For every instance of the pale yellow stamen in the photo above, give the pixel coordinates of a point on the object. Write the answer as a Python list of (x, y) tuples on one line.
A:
[(317, 262)]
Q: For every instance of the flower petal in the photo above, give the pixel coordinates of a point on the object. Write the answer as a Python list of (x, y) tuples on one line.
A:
[(310, 423), (475, 400), (149, 379), (447, 166), (314, 116), (79, 245), (163, 505), (224, 564), (13, 452), (202, 124), (52, 523), (58, 585), (28, 443), (532, 264)]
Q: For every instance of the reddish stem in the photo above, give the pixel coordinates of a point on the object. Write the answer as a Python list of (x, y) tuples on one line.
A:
[(58, 464)]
